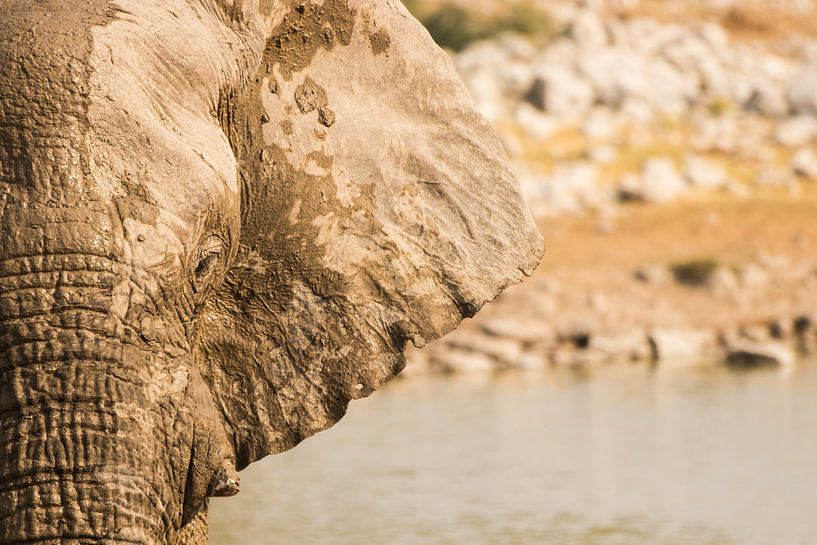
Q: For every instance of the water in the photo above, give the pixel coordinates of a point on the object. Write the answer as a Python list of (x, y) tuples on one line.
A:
[(620, 456)]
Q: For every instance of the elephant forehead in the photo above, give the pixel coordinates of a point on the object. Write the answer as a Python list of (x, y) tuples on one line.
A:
[(266, 13), (186, 42), (157, 72)]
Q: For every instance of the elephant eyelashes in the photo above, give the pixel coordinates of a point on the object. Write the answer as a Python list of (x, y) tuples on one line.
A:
[(205, 265)]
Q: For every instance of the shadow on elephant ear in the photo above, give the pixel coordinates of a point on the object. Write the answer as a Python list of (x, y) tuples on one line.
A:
[(377, 207)]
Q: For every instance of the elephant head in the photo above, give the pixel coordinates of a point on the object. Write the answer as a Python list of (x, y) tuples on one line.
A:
[(221, 221)]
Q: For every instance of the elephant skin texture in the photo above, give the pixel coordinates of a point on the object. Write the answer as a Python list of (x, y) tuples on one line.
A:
[(220, 222)]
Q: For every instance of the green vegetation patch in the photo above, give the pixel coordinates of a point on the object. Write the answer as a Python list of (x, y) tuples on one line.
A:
[(455, 27), (697, 272)]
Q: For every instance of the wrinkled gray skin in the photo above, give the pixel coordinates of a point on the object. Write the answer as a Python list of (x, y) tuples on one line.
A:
[(220, 221)]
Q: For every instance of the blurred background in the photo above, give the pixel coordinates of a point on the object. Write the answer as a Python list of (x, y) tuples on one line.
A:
[(651, 384)]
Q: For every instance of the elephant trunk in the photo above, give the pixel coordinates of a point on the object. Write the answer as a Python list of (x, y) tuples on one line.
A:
[(73, 462), (77, 444)]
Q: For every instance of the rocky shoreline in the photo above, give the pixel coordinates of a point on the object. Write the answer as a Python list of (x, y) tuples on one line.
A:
[(637, 321)]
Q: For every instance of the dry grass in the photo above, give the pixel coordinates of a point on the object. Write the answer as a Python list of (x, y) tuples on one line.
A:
[(455, 25), (731, 228)]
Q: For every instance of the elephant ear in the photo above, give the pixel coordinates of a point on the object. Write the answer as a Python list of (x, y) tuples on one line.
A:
[(378, 207)]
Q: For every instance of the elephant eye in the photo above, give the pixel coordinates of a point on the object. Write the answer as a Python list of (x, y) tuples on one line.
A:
[(207, 263)]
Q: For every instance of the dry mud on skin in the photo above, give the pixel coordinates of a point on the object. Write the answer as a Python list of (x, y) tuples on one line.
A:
[(327, 289)]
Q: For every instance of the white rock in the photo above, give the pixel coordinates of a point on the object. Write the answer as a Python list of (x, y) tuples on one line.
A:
[(653, 275), (562, 92), (532, 187), (804, 163), (595, 68), (631, 188), (756, 333), (807, 51), (458, 361), (682, 345), (724, 281), (748, 354), (773, 261), (529, 331), (714, 35), (570, 357), (661, 181), (704, 173), (796, 131), (506, 350), (636, 110), (504, 57), (714, 78), (753, 276), (601, 124), (802, 92), (619, 74), (532, 360), (647, 36), (572, 187), (587, 30), (767, 99), (495, 72), (623, 5), (516, 47), (715, 134), (629, 346), (603, 155), (536, 123), (692, 54)]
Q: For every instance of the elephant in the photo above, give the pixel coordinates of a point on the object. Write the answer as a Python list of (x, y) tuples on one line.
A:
[(220, 222)]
